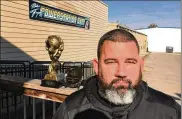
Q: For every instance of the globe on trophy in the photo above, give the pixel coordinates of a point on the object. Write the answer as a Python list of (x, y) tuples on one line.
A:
[(54, 46)]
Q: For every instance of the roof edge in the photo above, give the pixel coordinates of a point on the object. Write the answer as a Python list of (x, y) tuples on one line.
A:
[(103, 3), (158, 27), (131, 30)]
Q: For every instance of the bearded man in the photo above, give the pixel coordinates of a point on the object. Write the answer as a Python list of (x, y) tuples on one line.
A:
[(117, 90)]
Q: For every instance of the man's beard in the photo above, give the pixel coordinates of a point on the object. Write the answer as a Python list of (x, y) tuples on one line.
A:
[(114, 95)]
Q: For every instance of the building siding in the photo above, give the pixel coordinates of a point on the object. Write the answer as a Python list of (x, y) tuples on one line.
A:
[(159, 38), (24, 39)]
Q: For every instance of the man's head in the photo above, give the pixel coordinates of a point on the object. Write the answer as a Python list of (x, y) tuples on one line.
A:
[(119, 66)]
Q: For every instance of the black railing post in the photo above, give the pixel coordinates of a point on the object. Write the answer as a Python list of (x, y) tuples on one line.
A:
[(7, 105), (0, 104)]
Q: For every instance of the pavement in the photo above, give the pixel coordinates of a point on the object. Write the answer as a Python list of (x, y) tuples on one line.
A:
[(163, 72)]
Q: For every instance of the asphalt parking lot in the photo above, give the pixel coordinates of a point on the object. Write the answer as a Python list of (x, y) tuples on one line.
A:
[(163, 72)]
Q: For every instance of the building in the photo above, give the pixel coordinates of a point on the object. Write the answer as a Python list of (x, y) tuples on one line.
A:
[(141, 37), (161, 37), (25, 25)]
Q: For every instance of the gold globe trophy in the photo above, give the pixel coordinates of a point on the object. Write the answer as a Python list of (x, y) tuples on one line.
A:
[(54, 46)]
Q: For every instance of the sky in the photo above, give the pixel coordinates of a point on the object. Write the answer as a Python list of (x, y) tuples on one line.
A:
[(140, 14)]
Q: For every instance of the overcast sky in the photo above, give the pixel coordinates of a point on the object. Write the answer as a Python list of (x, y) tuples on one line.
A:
[(139, 14)]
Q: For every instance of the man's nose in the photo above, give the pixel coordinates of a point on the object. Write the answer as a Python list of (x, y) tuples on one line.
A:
[(121, 70)]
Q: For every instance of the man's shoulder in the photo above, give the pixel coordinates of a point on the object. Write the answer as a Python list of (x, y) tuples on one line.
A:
[(76, 99), (76, 95), (79, 98), (159, 97)]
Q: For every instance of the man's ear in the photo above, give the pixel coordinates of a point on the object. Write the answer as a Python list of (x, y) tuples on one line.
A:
[(142, 64), (95, 65)]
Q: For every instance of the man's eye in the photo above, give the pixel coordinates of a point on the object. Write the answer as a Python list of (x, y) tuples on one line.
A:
[(110, 62), (131, 62)]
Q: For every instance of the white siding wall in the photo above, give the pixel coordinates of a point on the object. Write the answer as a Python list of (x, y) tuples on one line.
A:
[(159, 38)]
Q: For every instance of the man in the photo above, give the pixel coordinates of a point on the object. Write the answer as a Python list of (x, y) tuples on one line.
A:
[(117, 91)]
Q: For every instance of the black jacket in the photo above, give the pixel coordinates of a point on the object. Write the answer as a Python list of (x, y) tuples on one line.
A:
[(86, 104)]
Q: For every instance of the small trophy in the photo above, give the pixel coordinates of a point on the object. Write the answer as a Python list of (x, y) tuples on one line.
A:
[(74, 77), (54, 46)]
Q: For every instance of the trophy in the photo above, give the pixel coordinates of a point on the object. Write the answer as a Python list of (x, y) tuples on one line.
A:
[(54, 46), (73, 77)]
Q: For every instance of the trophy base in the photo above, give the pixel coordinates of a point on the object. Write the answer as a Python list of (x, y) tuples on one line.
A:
[(76, 85), (50, 83)]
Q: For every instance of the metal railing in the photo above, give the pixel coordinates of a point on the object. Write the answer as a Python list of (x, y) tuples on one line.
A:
[(12, 105), (9, 100), (38, 69)]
